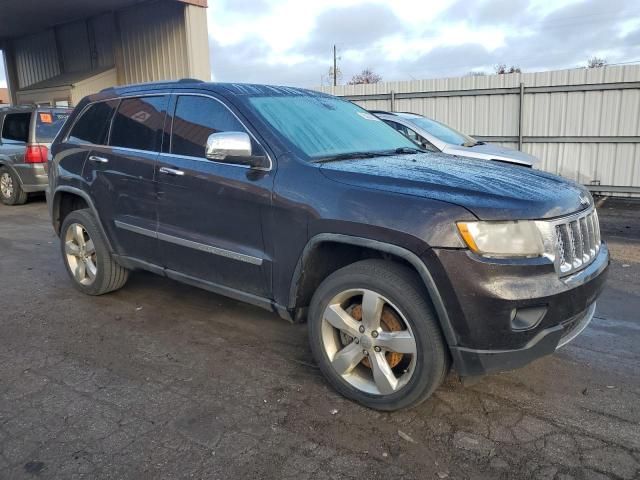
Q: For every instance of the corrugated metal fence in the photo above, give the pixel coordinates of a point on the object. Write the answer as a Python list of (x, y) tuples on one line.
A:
[(583, 124)]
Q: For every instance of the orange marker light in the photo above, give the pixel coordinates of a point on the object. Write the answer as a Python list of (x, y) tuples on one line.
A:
[(467, 237)]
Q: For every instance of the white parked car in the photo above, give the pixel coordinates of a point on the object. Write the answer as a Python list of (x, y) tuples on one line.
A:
[(438, 137)]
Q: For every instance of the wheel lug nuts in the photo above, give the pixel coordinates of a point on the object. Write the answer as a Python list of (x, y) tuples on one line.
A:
[(361, 329), (377, 349), (374, 334)]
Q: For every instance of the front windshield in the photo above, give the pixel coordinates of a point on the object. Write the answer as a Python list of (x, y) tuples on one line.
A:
[(443, 132), (322, 126)]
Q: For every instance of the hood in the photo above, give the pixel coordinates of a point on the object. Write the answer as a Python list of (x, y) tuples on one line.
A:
[(494, 152), (490, 190)]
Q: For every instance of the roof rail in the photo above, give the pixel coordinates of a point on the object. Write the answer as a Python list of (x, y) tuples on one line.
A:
[(190, 80), (17, 107), (150, 84)]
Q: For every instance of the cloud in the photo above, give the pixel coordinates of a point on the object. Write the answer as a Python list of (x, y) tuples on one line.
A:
[(632, 39), (250, 62), (496, 12), (357, 27), (458, 37)]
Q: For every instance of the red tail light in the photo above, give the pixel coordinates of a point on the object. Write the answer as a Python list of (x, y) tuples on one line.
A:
[(36, 154)]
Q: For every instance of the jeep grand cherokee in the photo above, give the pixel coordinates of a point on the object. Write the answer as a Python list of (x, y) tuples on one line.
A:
[(402, 261)]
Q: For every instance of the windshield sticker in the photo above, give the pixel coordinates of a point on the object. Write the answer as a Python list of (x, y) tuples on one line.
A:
[(46, 118), (368, 116)]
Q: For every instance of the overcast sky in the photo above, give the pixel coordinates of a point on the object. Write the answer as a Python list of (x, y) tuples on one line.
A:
[(290, 41)]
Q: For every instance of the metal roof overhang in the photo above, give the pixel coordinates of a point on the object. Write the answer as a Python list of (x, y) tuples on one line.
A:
[(21, 17)]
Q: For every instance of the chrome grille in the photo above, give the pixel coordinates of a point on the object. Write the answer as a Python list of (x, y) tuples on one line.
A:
[(577, 242)]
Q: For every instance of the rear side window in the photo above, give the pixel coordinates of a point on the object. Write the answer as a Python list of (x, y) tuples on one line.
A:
[(93, 126), (16, 127), (139, 122), (49, 123), (195, 119)]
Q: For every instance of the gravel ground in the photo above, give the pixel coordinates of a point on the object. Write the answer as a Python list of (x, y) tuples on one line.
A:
[(161, 380)]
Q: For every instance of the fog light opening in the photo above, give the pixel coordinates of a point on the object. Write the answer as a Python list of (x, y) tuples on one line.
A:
[(527, 318)]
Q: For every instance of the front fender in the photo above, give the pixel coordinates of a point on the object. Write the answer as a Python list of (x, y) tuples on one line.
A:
[(395, 250)]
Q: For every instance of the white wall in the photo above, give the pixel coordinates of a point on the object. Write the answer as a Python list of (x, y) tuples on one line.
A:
[(600, 113)]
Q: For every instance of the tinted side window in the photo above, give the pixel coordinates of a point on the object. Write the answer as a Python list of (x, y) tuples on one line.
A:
[(16, 127), (139, 122), (195, 119), (93, 125)]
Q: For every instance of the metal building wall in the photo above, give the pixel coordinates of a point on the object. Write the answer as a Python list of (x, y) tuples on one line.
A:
[(36, 58), (195, 19), (94, 84), (73, 41), (102, 29), (149, 41), (153, 45), (587, 128)]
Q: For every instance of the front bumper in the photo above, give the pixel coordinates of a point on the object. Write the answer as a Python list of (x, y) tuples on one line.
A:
[(472, 362), (483, 296)]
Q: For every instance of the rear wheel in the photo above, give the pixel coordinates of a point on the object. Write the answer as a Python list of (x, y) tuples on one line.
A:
[(375, 337), (86, 256), (11, 192)]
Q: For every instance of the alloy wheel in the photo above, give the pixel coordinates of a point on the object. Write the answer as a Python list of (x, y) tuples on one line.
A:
[(6, 185), (80, 254), (368, 341)]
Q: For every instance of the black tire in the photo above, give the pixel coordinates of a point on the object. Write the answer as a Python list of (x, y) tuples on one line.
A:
[(404, 288), (109, 275), (18, 196)]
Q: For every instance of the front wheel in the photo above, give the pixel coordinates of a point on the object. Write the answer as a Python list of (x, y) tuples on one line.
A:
[(375, 337)]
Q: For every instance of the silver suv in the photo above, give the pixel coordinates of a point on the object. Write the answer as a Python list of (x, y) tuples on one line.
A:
[(26, 133), (438, 137)]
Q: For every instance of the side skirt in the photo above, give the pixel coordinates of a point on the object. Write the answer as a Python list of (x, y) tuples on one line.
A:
[(133, 264)]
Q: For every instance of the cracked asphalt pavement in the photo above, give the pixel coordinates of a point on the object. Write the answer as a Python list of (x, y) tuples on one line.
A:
[(161, 380)]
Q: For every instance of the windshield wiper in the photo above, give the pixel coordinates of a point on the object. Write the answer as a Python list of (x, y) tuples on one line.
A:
[(409, 150), (350, 156)]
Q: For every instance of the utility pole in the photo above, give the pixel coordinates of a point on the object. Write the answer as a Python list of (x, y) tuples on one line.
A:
[(335, 67)]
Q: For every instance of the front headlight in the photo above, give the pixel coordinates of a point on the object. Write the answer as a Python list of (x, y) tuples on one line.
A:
[(503, 239)]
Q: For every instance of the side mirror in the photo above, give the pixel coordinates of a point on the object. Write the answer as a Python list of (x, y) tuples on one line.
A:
[(234, 147)]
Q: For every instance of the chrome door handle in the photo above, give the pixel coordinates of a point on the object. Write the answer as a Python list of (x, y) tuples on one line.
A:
[(94, 158), (171, 171)]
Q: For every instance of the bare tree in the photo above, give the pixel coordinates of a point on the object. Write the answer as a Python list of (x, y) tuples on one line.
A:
[(328, 77), (366, 76), (596, 62), (502, 68)]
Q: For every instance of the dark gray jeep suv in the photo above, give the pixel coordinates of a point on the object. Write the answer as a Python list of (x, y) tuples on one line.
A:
[(402, 261)]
